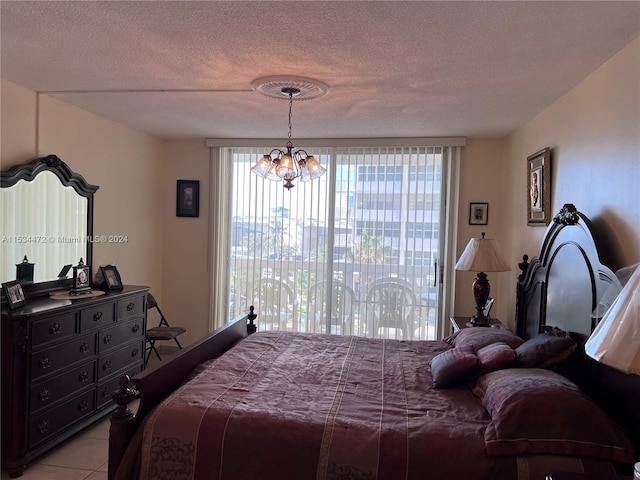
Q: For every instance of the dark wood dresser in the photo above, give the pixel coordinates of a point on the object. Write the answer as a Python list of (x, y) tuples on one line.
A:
[(61, 359)]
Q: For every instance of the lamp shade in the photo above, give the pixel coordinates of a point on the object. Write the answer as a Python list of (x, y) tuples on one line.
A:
[(263, 167), (312, 169), (482, 255), (616, 339)]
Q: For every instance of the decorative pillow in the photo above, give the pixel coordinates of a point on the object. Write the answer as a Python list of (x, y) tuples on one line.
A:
[(495, 356), (537, 411), (480, 337), (453, 367), (544, 350)]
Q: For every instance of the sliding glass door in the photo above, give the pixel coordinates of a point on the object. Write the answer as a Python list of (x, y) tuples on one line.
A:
[(356, 252)]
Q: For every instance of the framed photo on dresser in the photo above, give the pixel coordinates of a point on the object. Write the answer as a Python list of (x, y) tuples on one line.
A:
[(111, 278), (14, 294)]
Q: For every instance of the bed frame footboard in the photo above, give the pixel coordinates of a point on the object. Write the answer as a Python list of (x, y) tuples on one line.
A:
[(155, 384)]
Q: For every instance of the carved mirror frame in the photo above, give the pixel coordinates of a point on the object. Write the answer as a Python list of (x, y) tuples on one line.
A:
[(68, 178)]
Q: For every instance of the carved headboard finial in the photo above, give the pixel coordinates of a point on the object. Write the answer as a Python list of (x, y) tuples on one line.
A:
[(568, 215), (251, 327), (523, 266)]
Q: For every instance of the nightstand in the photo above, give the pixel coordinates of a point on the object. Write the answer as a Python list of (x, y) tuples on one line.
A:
[(463, 322)]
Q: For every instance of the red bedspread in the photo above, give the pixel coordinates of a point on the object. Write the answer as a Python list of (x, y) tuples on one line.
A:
[(307, 406)]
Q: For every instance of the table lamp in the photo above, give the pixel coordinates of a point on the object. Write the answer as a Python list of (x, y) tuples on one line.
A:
[(481, 255), (616, 339)]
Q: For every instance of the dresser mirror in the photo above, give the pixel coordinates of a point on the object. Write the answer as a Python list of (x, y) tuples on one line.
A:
[(47, 217)]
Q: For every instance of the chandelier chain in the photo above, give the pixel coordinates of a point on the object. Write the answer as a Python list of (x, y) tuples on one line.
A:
[(290, 107)]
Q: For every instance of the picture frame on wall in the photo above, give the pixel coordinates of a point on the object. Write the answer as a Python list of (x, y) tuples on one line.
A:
[(478, 213), (188, 198), (14, 294), (539, 188)]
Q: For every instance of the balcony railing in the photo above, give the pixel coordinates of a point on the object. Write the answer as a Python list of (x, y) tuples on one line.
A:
[(372, 300)]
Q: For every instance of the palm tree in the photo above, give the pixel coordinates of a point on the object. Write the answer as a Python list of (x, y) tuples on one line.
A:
[(270, 242), (369, 249)]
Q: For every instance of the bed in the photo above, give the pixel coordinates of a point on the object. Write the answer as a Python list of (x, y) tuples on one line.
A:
[(483, 403)]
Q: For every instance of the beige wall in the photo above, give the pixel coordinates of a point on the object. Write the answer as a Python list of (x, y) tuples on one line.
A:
[(125, 164), (483, 179), (594, 134), (185, 265), (18, 124)]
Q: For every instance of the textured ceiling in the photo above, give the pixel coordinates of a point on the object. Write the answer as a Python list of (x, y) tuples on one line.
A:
[(181, 69)]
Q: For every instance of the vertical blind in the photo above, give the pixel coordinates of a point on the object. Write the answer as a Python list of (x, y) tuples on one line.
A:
[(355, 252)]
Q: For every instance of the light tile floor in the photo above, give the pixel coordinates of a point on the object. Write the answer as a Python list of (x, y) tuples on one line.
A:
[(82, 457), (85, 455)]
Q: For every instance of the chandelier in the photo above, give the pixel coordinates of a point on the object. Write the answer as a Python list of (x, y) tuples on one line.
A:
[(288, 165)]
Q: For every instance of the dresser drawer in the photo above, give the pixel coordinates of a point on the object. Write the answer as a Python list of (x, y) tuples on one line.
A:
[(96, 317), (52, 359), (128, 307), (120, 359), (56, 419), (119, 334), (53, 329), (106, 388), (57, 388)]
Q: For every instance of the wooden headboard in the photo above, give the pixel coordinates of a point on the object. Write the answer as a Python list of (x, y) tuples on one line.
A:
[(561, 287)]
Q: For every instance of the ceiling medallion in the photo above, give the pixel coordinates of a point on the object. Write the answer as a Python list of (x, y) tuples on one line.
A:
[(273, 86)]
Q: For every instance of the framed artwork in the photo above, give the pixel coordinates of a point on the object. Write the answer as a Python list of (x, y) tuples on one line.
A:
[(14, 294), (539, 188), (188, 198), (478, 213), (111, 277)]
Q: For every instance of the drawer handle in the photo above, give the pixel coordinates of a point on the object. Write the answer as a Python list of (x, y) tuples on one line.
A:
[(135, 328), (43, 427), (97, 316), (107, 339), (45, 363), (106, 393), (131, 306), (84, 348), (134, 352), (107, 365), (55, 329), (44, 395), (83, 405), (83, 377)]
